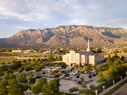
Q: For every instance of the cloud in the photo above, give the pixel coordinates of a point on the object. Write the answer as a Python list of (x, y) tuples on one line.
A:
[(21, 27), (63, 11), (51, 13), (32, 10), (3, 22)]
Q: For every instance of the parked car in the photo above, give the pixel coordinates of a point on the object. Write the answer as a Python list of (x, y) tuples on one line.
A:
[(37, 77), (56, 76), (78, 82)]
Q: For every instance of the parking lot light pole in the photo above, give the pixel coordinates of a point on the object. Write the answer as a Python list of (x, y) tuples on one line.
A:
[(113, 82), (96, 92), (29, 84), (103, 88), (121, 77)]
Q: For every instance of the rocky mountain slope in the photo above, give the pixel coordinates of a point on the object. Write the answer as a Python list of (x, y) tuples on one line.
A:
[(67, 36)]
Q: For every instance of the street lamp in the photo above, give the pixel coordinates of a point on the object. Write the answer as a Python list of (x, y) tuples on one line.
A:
[(96, 92), (29, 84), (121, 77), (113, 82), (103, 87)]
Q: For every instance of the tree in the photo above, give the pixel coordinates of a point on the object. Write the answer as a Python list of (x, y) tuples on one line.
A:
[(109, 59), (90, 76), (59, 58), (50, 58), (38, 68), (31, 80), (121, 70), (54, 85), (86, 68), (3, 88), (82, 78), (99, 50), (52, 88), (16, 64), (3, 68), (14, 88), (78, 76), (45, 90), (100, 77), (111, 73), (24, 60), (86, 91), (27, 67), (115, 56), (59, 73), (122, 58), (36, 89), (22, 78), (8, 76), (1, 73), (74, 89), (63, 65), (66, 75), (24, 86), (52, 73), (29, 60)]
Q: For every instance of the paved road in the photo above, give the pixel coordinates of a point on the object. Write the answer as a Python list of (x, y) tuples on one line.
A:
[(102, 93), (121, 91)]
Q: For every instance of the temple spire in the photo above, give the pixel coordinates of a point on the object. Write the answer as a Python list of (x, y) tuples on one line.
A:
[(88, 48)]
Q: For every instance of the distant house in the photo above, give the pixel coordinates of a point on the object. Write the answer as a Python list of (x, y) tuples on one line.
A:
[(79, 57)]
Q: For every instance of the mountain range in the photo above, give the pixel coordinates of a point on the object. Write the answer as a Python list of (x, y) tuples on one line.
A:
[(67, 36)]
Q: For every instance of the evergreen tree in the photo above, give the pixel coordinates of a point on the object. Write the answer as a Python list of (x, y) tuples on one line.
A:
[(31, 80), (52, 88), (3, 88), (36, 89), (115, 57), (15, 88), (122, 58), (22, 78), (50, 58), (109, 59)]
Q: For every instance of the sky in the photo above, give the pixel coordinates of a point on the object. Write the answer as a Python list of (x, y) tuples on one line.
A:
[(16, 15)]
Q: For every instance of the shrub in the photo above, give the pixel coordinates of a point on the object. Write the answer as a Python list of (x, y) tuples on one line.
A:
[(74, 89), (52, 73), (66, 75), (59, 73), (92, 86)]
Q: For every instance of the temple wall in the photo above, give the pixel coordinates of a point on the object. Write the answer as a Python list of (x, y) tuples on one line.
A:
[(81, 57), (92, 59), (99, 58)]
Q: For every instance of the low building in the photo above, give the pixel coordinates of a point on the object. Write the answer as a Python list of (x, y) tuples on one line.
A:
[(23, 51), (47, 52), (79, 57)]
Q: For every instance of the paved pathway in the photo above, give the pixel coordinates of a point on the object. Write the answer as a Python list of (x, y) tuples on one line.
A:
[(106, 90), (121, 91)]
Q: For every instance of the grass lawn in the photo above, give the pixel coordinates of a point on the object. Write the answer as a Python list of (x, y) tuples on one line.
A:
[(6, 59)]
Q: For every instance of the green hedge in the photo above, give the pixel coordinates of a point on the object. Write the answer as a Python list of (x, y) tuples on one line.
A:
[(115, 88)]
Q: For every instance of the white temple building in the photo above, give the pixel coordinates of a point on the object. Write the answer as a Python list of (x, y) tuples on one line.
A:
[(79, 57)]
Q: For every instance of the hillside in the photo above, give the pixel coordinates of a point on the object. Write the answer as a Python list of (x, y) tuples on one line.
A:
[(67, 36)]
